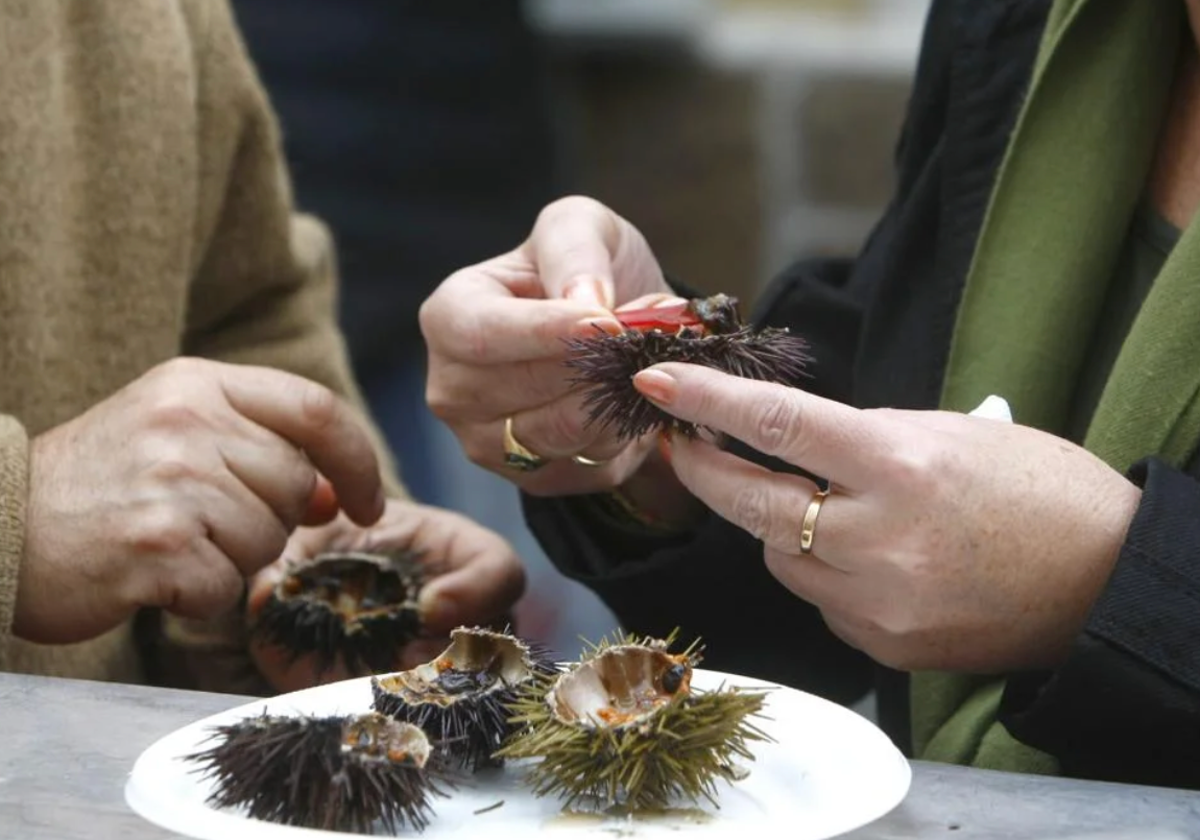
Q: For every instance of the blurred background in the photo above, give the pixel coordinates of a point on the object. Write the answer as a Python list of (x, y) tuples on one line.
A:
[(738, 135)]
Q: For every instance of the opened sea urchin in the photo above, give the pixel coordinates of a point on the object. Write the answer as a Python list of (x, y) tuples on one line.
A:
[(359, 606), (332, 773), (625, 727), (705, 331), (461, 697)]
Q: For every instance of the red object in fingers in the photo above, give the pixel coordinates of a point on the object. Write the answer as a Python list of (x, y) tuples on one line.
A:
[(666, 318)]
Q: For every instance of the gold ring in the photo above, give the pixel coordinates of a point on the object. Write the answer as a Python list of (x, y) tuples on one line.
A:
[(808, 529), (588, 462), (518, 456)]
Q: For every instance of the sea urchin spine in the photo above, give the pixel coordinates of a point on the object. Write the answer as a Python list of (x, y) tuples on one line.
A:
[(706, 332), (332, 773)]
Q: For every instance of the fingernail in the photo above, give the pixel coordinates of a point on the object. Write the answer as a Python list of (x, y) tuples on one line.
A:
[(590, 289), (436, 610), (656, 385), (664, 446), (588, 327)]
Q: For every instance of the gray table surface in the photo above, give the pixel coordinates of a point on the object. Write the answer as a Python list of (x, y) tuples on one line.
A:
[(66, 748)]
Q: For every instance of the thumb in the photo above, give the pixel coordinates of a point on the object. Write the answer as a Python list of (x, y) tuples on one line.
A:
[(572, 245)]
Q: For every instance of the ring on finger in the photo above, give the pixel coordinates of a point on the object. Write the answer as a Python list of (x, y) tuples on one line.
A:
[(808, 527), (517, 455)]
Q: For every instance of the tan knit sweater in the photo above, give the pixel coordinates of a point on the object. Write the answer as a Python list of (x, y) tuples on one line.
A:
[(144, 214)]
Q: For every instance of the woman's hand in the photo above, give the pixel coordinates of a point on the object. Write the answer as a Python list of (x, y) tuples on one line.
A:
[(477, 579), (496, 335), (948, 541)]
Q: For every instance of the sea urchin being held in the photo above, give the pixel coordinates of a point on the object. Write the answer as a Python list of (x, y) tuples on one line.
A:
[(332, 773), (359, 606), (625, 727), (705, 331), (461, 697)]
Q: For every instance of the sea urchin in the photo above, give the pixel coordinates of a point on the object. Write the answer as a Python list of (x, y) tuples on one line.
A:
[(705, 331), (624, 727), (332, 773), (359, 606), (461, 697)]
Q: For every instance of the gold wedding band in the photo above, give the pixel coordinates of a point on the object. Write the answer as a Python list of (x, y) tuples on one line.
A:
[(516, 454), (808, 529), (588, 462)]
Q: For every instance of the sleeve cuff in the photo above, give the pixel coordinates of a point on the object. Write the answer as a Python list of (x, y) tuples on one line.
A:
[(14, 491), (1126, 703)]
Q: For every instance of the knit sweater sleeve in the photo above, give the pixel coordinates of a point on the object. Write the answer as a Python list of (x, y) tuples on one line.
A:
[(14, 479), (263, 293)]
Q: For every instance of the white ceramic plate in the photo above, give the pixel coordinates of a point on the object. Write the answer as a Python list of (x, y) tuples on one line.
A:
[(828, 772)]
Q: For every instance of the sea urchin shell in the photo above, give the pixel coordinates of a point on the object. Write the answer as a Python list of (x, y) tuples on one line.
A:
[(333, 773), (625, 727), (359, 606), (705, 332), (461, 697)]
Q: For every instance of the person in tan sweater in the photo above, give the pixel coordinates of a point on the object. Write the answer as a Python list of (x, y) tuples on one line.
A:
[(177, 414)]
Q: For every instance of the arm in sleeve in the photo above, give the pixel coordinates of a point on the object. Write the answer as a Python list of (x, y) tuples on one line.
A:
[(14, 490), (264, 292), (1125, 706)]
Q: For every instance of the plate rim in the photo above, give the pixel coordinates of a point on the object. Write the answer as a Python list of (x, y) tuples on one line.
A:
[(230, 826)]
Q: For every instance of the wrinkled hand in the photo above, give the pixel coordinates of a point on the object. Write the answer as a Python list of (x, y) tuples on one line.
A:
[(949, 541), (476, 580), (496, 332), (176, 488)]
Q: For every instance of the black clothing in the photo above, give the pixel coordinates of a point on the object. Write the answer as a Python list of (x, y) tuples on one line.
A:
[(1126, 705)]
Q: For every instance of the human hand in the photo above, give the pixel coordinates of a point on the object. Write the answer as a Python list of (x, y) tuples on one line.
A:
[(474, 579), (176, 488), (948, 541), (496, 336)]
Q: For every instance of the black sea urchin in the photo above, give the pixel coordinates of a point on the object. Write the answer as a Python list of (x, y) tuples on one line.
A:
[(705, 332), (332, 773), (360, 606), (461, 697), (625, 727)]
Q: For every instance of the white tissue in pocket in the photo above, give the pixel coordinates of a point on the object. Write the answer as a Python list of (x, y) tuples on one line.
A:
[(994, 408)]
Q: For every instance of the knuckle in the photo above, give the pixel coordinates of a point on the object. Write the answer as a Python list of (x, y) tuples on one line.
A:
[(179, 367), (569, 206), (751, 510), (175, 469), (174, 410), (779, 424), (162, 530), (318, 405), (916, 465)]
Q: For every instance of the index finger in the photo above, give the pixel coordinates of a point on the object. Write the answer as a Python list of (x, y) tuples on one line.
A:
[(824, 437), (475, 319), (313, 418)]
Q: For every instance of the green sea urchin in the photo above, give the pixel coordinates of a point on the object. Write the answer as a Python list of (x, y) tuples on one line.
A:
[(625, 727)]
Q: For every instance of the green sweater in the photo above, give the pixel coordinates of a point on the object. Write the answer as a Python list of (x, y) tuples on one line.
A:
[(1062, 204)]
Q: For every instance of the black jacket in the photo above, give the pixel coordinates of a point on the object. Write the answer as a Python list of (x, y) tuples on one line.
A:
[(1126, 705)]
